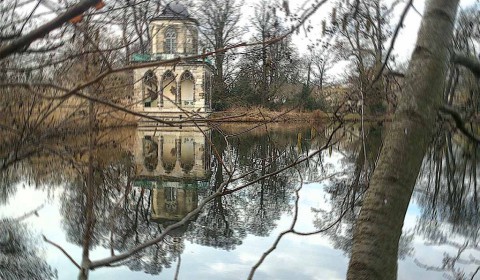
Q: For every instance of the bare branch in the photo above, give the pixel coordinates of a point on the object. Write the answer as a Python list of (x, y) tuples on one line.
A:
[(460, 123), (63, 251), (472, 63), (394, 39), (24, 41), (28, 214)]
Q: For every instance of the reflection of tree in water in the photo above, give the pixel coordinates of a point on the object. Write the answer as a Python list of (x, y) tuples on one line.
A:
[(41, 172), (346, 193), (8, 179), (132, 226), (122, 216), (19, 254), (264, 202), (447, 189), (447, 192), (225, 221), (154, 258), (219, 224)]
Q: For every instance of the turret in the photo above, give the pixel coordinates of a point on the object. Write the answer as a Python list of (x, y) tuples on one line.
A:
[(174, 32)]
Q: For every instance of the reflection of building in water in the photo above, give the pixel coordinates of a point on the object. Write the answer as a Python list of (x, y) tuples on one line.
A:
[(173, 163), (172, 154), (173, 201)]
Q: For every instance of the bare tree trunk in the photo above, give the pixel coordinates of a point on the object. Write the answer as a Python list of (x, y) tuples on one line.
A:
[(379, 226)]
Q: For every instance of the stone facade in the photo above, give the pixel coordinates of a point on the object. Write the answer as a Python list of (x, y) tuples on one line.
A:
[(182, 34), (173, 91)]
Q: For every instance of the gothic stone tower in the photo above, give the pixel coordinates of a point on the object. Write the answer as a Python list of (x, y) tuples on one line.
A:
[(173, 90)]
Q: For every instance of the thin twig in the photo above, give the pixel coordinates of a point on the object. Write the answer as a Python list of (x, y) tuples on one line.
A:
[(28, 214), (177, 271), (460, 123), (24, 41), (394, 39), (63, 251), (279, 237)]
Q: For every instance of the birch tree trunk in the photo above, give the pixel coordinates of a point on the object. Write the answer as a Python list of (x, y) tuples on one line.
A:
[(379, 226)]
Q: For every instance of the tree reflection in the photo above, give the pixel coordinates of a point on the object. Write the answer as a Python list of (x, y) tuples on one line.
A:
[(19, 253), (265, 201), (122, 215), (447, 192), (360, 151), (448, 188), (346, 193), (8, 179), (226, 221), (218, 225)]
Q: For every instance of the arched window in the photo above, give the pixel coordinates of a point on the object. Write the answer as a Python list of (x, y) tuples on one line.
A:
[(171, 203), (150, 89), (187, 89), (191, 41), (169, 90), (170, 41)]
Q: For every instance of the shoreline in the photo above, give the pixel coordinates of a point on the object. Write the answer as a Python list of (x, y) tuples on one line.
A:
[(261, 115)]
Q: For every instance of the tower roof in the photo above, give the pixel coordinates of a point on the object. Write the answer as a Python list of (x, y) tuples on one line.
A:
[(174, 10)]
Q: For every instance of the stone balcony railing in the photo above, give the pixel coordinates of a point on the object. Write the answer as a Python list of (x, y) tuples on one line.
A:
[(145, 57)]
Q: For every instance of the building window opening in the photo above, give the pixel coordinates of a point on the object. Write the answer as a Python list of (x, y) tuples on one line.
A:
[(170, 41), (150, 89), (187, 89)]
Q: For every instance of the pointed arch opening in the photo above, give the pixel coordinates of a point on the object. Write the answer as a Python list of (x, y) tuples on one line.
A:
[(169, 90), (150, 89), (187, 89), (191, 41)]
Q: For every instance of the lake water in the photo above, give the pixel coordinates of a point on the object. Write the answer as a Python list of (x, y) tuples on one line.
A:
[(136, 182)]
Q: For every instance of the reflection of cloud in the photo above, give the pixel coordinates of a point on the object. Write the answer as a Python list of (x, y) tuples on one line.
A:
[(317, 262), (225, 267), (411, 217)]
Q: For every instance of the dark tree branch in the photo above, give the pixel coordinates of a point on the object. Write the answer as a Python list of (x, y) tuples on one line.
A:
[(63, 251), (24, 41), (45, 49), (394, 39), (471, 63), (460, 123), (9, 36), (26, 215)]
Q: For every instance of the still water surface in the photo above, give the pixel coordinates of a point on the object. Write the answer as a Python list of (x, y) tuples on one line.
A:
[(147, 179)]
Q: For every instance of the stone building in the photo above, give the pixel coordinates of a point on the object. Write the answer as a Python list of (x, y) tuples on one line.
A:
[(174, 163), (173, 90)]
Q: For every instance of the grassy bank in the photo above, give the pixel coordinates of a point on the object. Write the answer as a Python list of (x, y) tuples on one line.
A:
[(259, 114)]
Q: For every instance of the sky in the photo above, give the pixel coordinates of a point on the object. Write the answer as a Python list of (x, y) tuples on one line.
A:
[(403, 46)]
